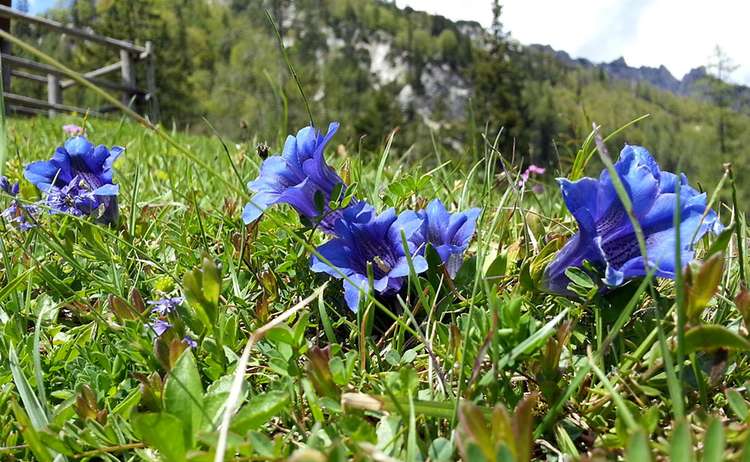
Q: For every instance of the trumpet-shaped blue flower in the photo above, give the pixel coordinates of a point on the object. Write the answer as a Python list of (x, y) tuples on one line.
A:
[(366, 239), (295, 177), (78, 179), (448, 233), (606, 237)]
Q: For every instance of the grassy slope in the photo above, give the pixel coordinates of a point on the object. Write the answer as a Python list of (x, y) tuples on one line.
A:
[(488, 336)]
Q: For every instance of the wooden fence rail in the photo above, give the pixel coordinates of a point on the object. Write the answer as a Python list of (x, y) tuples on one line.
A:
[(129, 56)]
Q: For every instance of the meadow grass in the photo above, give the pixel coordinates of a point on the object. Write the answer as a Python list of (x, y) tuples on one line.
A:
[(486, 367)]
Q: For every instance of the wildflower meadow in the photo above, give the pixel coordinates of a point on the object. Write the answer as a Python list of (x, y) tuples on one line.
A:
[(321, 304), (169, 296)]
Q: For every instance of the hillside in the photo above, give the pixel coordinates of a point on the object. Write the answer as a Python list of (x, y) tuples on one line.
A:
[(379, 68)]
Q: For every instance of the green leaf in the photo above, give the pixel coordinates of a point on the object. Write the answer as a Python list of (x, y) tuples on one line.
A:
[(712, 337), (681, 444), (637, 449), (704, 285), (183, 395), (714, 442), (737, 403), (202, 287), (30, 435), (164, 432), (440, 450), (259, 410), (721, 242), (30, 401)]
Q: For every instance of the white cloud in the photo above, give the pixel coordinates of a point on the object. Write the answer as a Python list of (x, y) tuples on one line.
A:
[(680, 34)]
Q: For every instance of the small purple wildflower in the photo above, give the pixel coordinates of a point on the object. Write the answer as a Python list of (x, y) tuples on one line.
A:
[(7, 187), (16, 213), (531, 170), (187, 340), (166, 306), (159, 326), (72, 130)]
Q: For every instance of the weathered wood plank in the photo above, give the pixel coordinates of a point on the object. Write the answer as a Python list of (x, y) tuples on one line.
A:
[(15, 61), (28, 76), (19, 100), (70, 30), (95, 73)]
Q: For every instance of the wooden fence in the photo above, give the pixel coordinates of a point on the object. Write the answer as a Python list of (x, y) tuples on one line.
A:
[(130, 55)]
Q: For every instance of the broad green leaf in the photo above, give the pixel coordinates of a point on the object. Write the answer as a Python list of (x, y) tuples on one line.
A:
[(163, 432), (681, 444), (259, 410), (721, 242), (714, 442), (30, 401), (183, 395), (440, 450), (638, 448), (737, 403), (712, 337), (30, 435), (703, 286)]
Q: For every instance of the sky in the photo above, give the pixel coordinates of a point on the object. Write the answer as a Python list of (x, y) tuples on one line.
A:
[(680, 34)]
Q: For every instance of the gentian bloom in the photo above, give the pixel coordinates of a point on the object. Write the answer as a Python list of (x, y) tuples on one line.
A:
[(448, 233), (295, 177), (606, 237), (364, 238), (78, 179), (165, 306)]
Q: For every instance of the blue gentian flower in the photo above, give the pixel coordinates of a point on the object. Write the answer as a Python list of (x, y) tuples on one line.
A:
[(364, 238), (295, 177), (606, 237), (448, 233), (166, 306), (16, 213), (78, 179)]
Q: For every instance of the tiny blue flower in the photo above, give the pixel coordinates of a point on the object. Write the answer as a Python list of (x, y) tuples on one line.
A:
[(448, 233), (7, 187), (187, 340), (606, 237), (166, 306), (78, 179), (295, 177), (16, 213), (364, 238), (159, 326)]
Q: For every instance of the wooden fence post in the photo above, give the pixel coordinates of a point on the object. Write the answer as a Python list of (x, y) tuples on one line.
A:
[(54, 92), (128, 75), (152, 98), (5, 49)]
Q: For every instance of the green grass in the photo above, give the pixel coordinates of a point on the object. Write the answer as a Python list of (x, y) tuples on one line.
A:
[(491, 369)]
